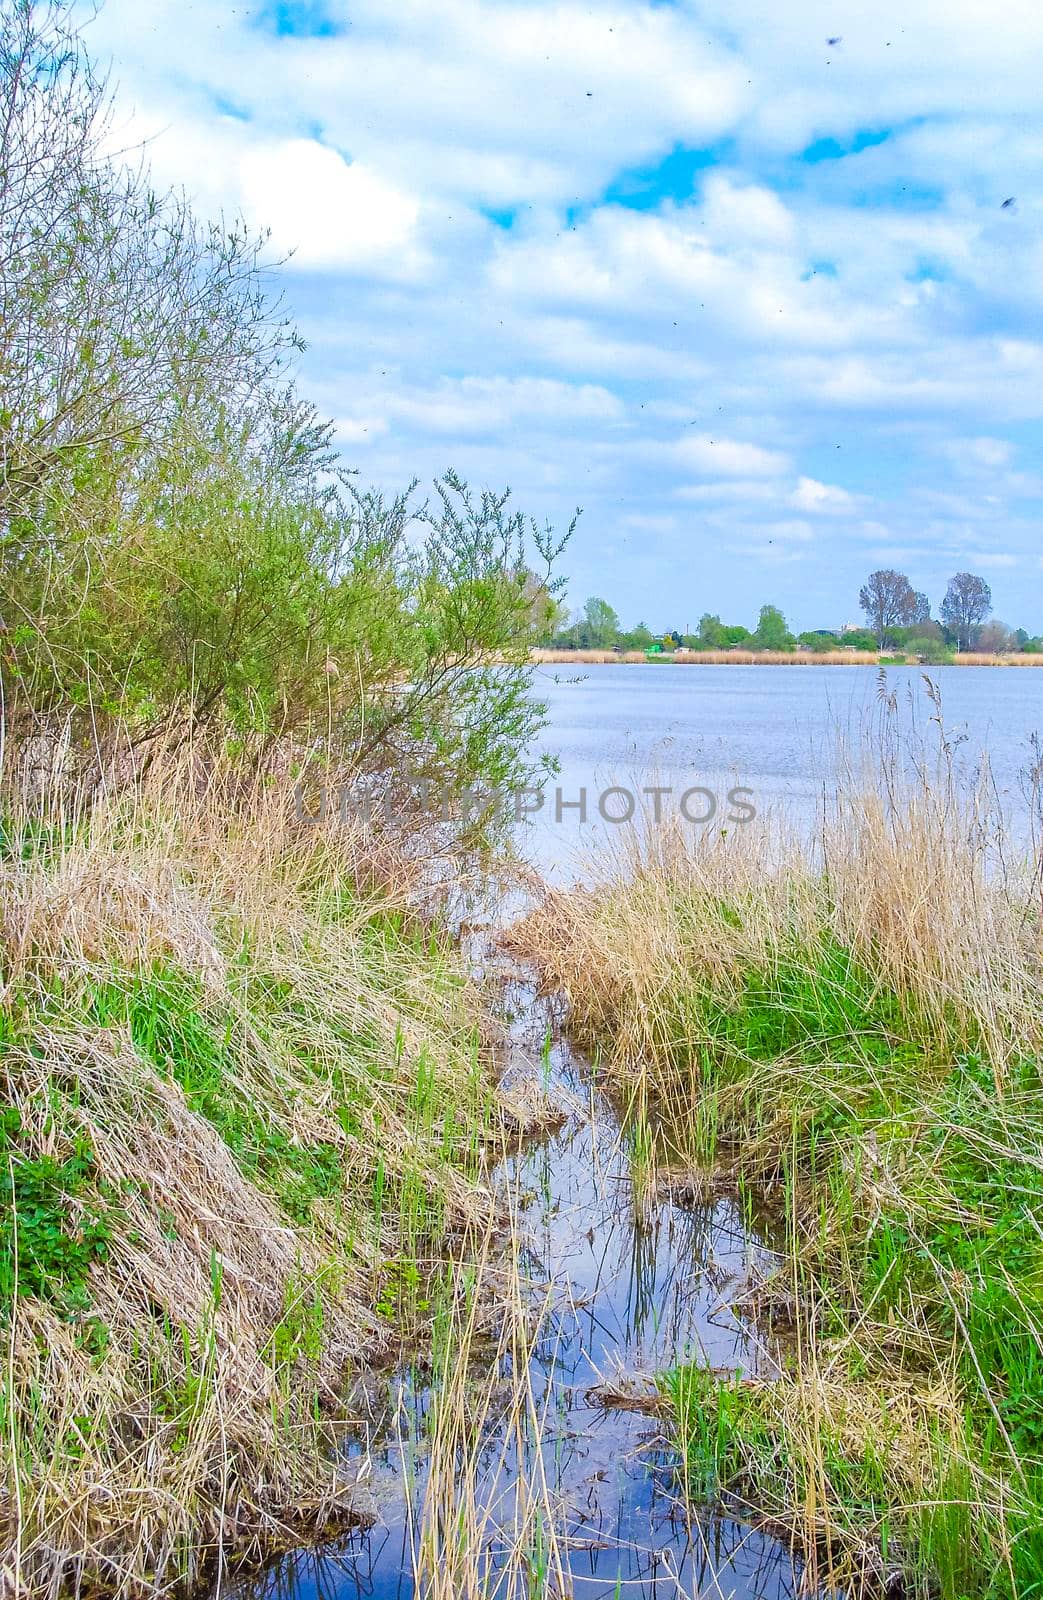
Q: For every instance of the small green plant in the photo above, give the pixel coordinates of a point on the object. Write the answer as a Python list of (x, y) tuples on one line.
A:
[(55, 1221)]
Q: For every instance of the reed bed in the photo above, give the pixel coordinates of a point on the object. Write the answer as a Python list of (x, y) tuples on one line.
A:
[(774, 658), (242, 1106), (852, 1029)]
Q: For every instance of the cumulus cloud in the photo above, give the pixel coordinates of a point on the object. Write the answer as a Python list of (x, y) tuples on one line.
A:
[(329, 212), (744, 296), (731, 458), (810, 495)]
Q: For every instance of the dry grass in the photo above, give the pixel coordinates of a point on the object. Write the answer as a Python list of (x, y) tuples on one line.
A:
[(239, 1086), (910, 891), (853, 1028), (982, 658), (490, 1522)]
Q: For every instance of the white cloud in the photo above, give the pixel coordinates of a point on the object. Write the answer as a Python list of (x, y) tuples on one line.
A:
[(731, 458), (810, 495), (359, 430), (982, 452), (738, 491), (475, 405), (328, 212)]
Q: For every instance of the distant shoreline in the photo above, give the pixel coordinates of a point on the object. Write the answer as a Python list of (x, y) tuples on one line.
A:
[(776, 658)]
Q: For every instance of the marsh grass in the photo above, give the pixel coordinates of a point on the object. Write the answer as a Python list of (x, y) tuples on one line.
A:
[(244, 1112), (850, 1026), (490, 1521)]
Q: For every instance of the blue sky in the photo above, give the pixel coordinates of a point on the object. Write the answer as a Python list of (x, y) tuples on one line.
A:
[(750, 298)]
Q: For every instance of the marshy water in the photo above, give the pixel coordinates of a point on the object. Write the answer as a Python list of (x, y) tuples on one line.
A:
[(627, 1285), (627, 1282)]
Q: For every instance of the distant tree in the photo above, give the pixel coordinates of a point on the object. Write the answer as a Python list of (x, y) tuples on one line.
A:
[(921, 608), (968, 601), (818, 643), (858, 639), (889, 601), (997, 638), (772, 632), (602, 623), (547, 611), (711, 631), (638, 638)]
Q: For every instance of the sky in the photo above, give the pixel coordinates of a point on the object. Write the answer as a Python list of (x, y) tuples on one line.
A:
[(736, 277)]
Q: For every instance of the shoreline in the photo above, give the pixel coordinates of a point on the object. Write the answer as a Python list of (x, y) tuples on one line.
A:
[(774, 658)]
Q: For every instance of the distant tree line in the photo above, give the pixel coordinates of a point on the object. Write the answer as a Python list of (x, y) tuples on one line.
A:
[(898, 617), (597, 627)]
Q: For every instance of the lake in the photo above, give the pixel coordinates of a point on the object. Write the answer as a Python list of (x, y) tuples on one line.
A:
[(773, 731)]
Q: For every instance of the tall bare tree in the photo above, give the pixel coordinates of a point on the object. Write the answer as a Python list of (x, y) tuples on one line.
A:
[(967, 603), (889, 601)]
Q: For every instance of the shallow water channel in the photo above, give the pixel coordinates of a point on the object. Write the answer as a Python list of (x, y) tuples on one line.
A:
[(631, 1286), (628, 1285)]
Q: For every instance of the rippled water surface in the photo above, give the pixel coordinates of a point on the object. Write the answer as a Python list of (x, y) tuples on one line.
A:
[(774, 731)]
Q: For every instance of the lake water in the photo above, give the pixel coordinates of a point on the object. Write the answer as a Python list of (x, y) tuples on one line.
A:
[(772, 731)]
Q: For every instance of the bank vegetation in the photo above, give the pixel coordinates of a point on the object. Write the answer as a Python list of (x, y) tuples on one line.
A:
[(851, 1031)]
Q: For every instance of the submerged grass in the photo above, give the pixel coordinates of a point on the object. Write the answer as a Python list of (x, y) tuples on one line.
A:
[(242, 1108), (853, 1027)]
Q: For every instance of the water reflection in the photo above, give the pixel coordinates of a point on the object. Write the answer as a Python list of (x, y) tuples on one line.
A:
[(630, 1286)]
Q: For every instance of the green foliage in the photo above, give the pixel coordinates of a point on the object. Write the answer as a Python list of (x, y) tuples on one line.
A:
[(858, 639), (715, 635), (819, 643), (179, 548), (601, 622), (55, 1221), (772, 632), (849, 1083)]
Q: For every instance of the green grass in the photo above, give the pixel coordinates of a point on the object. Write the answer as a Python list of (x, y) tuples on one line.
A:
[(908, 1193), (913, 1199), (163, 1013)]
